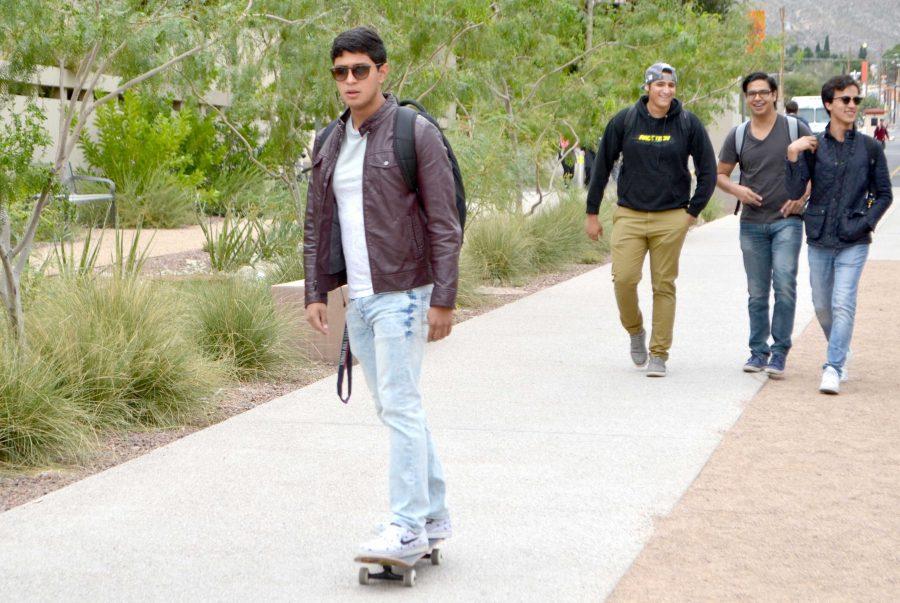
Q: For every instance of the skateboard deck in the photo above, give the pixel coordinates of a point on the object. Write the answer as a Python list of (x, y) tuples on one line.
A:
[(398, 568)]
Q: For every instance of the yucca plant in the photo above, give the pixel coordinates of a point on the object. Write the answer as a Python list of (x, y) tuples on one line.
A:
[(230, 245)]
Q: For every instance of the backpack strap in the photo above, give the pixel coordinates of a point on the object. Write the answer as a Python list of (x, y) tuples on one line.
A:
[(630, 121), (793, 127), (740, 134), (405, 143)]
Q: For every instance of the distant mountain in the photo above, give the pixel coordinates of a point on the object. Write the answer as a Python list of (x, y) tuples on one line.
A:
[(849, 24)]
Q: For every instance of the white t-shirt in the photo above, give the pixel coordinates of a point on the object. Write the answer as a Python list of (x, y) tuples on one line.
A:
[(347, 185)]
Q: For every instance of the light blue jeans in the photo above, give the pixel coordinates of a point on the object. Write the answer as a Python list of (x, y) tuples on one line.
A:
[(388, 332), (834, 275), (771, 253)]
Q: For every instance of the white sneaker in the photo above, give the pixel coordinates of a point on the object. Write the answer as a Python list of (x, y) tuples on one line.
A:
[(438, 529), (395, 541), (831, 381), (435, 529)]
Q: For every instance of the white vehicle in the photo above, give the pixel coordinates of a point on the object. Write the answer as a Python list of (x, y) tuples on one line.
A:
[(811, 109)]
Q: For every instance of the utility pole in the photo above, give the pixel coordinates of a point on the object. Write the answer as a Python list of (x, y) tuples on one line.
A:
[(781, 97)]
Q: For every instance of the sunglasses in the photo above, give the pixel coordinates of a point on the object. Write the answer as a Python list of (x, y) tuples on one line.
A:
[(360, 72), (857, 100)]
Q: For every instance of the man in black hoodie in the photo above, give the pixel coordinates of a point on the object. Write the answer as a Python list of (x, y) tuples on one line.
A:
[(655, 209)]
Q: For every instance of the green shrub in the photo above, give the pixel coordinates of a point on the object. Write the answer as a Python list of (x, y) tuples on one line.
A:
[(39, 422), (282, 236), (557, 235), (139, 136), (155, 199), (498, 249), (288, 268), (236, 323), (715, 209), (120, 345)]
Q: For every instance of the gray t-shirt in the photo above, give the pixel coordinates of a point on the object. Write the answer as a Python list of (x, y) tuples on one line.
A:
[(762, 168)]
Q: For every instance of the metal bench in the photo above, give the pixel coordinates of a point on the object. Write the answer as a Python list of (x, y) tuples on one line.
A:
[(70, 182)]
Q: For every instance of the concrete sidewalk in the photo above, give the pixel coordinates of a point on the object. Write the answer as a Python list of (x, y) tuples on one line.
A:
[(558, 455)]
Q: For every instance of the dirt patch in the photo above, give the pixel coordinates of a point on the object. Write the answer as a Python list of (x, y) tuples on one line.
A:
[(801, 501), (117, 448)]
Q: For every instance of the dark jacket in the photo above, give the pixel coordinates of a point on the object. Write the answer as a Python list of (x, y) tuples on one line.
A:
[(412, 240), (654, 174), (838, 214)]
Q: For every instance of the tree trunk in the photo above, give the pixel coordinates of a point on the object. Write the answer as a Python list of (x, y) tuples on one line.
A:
[(589, 24)]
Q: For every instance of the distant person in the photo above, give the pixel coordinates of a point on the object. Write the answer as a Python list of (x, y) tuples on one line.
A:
[(771, 231), (881, 133), (589, 157), (655, 138), (851, 191), (791, 108)]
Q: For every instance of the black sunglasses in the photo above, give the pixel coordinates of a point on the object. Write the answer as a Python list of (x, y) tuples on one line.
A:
[(857, 100), (360, 72)]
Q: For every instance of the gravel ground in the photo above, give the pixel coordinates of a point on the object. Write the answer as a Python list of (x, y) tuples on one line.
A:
[(801, 501)]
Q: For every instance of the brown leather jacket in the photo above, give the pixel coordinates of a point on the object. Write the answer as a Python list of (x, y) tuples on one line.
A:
[(413, 240)]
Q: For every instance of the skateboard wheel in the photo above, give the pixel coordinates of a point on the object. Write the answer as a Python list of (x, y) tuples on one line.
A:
[(436, 557), (409, 578), (363, 575)]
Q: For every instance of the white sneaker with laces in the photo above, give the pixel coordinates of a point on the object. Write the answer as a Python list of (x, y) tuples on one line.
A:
[(395, 541), (831, 381), (435, 529)]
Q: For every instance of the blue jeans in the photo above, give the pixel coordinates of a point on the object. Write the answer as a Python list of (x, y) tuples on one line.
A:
[(771, 253), (834, 275), (387, 335)]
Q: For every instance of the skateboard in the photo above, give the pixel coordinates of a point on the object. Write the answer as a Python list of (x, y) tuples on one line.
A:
[(398, 568)]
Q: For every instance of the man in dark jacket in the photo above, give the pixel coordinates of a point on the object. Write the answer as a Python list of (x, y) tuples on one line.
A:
[(655, 137), (398, 250), (851, 191)]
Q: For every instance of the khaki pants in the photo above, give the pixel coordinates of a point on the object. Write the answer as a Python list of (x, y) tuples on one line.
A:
[(634, 233)]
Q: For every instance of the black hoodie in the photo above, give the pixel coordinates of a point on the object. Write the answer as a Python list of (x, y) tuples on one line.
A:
[(654, 174)]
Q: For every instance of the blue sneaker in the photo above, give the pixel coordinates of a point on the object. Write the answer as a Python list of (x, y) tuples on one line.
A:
[(775, 368), (755, 363)]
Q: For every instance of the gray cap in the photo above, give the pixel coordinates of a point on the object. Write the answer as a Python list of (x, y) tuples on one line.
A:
[(659, 71)]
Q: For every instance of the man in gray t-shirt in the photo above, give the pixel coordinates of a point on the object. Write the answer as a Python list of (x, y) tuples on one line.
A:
[(771, 231)]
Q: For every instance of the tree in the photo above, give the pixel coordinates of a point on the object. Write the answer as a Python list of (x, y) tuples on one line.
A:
[(137, 41), (826, 49)]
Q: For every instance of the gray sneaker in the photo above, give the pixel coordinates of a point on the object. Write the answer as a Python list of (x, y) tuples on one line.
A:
[(639, 348), (656, 367)]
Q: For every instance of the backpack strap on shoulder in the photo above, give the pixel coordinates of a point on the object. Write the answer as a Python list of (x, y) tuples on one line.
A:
[(793, 127), (630, 121), (740, 133), (405, 144)]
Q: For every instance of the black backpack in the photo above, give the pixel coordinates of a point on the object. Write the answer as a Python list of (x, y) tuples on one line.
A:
[(405, 150)]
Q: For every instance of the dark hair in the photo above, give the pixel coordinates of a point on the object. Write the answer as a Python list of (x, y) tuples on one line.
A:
[(360, 39), (791, 107), (759, 75), (838, 82)]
